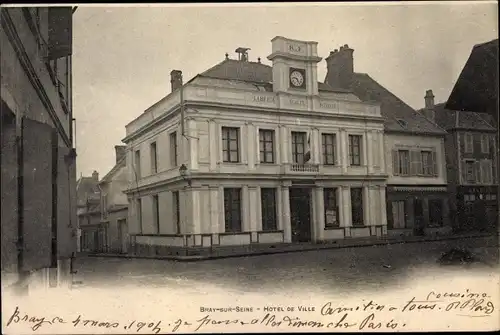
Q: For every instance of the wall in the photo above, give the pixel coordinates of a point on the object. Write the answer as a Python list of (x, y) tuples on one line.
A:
[(394, 141)]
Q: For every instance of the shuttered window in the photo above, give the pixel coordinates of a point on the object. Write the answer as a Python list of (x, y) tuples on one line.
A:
[(414, 163), (331, 207), (468, 143), (398, 214), (485, 143)]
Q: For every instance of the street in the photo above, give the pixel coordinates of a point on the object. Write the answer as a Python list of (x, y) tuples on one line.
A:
[(337, 270)]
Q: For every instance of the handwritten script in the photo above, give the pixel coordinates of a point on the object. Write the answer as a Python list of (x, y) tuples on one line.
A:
[(364, 315)]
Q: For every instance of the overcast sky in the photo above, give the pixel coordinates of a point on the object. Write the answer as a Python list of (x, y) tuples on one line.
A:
[(122, 57)]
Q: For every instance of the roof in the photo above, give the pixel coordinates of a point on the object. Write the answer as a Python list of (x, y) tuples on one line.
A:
[(476, 88), (253, 72), (86, 187), (110, 174), (453, 120), (392, 108)]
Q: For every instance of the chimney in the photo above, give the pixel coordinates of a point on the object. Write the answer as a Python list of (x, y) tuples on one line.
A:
[(95, 176), (120, 151), (429, 99), (429, 105), (340, 67), (175, 79)]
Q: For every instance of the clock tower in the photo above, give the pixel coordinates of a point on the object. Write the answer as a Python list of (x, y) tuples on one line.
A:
[(295, 67)]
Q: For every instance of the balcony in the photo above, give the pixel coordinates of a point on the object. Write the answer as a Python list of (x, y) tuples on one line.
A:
[(295, 167)]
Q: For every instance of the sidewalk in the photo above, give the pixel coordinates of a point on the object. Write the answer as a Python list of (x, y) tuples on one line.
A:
[(259, 250)]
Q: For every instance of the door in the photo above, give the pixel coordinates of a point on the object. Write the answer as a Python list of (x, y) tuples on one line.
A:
[(300, 214), (122, 235), (418, 208)]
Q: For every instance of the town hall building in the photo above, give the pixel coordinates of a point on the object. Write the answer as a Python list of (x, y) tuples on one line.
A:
[(247, 153)]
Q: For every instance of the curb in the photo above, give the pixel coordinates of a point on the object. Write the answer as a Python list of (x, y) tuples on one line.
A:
[(303, 249)]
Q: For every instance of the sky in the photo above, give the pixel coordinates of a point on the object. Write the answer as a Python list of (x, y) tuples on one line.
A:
[(122, 56)]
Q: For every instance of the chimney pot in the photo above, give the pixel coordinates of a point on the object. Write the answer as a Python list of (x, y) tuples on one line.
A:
[(227, 55), (95, 176), (346, 46), (175, 79), (429, 99)]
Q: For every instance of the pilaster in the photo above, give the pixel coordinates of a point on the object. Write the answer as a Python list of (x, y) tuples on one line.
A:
[(344, 161), (370, 152), (245, 201), (287, 226), (319, 208)]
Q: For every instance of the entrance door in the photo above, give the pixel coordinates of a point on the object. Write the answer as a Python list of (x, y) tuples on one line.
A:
[(418, 208), (122, 235), (300, 214)]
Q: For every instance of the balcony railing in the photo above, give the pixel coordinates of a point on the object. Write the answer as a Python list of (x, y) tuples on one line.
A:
[(305, 167)]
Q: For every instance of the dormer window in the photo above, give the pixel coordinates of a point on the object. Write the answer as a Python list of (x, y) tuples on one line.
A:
[(402, 123)]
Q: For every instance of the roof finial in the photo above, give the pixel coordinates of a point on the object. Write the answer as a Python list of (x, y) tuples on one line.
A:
[(258, 60), (227, 55)]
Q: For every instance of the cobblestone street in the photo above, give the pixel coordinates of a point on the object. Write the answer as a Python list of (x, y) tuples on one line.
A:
[(337, 270)]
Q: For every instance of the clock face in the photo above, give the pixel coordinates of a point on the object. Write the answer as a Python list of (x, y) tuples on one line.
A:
[(296, 78)]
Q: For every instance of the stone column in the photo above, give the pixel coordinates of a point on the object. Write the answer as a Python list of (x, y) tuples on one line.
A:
[(214, 209), (244, 143), (245, 203), (284, 142), (279, 205), (213, 139), (222, 218), (315, 144), (370, 152), (251, 146), (365, 148), (258, 223), (253, 208), (340, 204), (383, 205), (346, 207), (287, 226), (257, 145), (195, 211), (366, 206), (381, 145), (193, 144), (319, 208), (344, 161)]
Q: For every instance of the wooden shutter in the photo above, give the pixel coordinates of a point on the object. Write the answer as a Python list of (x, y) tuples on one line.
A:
[(414, 162), (477, 172), (37, 188), (66, 197), (60, 32), (464, 172), (395, 163), (434, 165)]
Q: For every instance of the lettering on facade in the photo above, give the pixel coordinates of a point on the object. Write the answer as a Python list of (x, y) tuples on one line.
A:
[(297, 102), (328, 105), (294, 48), (261, 98)]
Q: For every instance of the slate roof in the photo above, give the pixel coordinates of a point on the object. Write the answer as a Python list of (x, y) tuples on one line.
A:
[(476, 88), (86, 188), (253, 72), (109, 175), (392, 108), (453, 120)]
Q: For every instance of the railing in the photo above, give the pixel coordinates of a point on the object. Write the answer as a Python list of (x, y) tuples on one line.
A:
[(305, 167)]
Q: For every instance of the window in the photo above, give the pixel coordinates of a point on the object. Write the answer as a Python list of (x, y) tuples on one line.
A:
[(427, 164), (230, 145), (328, 143), (154, 157), (357, 206), (404, 162), (469, 142), (469, 171), (435, 212), (486, 172), (485, 143), (331, 207), (137, 164), (268, 203), (399, 214), (139, 214), (156, 213), (173, 149), (298, 146), (266, 144), (176, 211), (355, 150), (232, 210)]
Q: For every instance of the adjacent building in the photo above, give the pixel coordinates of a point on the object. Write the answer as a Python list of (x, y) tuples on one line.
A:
[(114, 204), (471, 162), (417, 199), (247, 153), (38, 206), (89, 214)]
